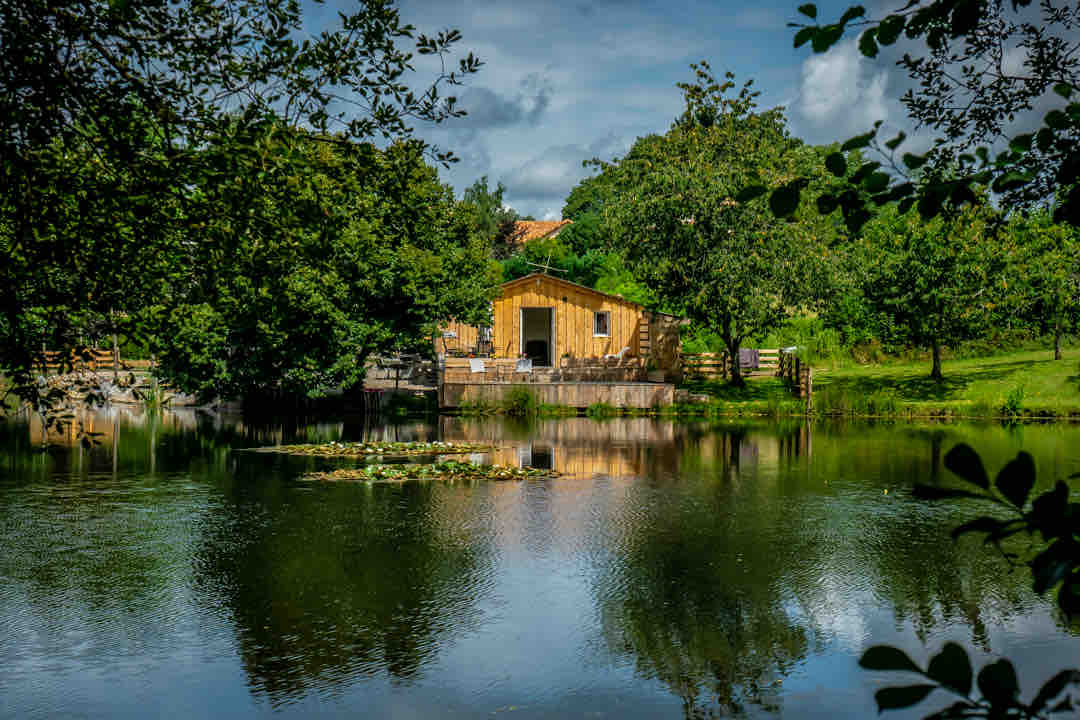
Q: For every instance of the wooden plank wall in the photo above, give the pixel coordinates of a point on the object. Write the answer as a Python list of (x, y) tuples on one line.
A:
[(573, 320), (464, 342)]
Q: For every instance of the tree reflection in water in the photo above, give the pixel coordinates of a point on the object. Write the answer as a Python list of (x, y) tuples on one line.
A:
[(342, 581), (691, 593)]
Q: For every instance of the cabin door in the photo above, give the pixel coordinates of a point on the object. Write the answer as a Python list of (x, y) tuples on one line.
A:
[(538, 335)]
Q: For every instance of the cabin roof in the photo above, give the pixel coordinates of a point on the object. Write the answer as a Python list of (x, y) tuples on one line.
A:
[(566, 283)]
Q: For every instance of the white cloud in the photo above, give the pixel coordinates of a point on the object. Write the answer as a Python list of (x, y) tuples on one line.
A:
[(841, 94)]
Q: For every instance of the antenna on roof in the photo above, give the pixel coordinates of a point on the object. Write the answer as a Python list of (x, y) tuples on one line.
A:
[(546, 265)]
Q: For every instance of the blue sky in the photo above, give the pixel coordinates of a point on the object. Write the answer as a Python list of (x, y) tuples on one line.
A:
[(569, 80)]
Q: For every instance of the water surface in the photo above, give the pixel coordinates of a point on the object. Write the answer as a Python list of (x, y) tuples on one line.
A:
[(672, 570)]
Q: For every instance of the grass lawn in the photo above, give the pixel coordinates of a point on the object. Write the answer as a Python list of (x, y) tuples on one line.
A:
[(1031, 382), (1023, 383)]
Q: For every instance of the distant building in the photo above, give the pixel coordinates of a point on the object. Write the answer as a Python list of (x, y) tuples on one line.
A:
[(529, 230)]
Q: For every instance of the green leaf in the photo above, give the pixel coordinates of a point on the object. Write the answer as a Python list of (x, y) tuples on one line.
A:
[(876, 182), (859, 141), (930, 492), (965, 17), (1064, 90), (1016, 479), (809, 10), (905, 205), (1054, 687), (997, 683), (836, 163), (1044, 139), (964, 461), (1069, 596), (1056, 119), (1054, 564), (952, 668), (895, 142), (979, 524), (1010, 181), (852, 13), (867, 46), (913, 162), (886, 657), (889, 29), (827, 37), (750, 193), (826, 204), (1021, 143), (1049, 512), (901, 697), (785, 200), (807, 33)]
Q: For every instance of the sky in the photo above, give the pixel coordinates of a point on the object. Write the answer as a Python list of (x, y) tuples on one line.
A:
[(567, 80)]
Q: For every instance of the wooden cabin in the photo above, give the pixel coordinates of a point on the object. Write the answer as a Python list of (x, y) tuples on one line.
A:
[(547, 318)]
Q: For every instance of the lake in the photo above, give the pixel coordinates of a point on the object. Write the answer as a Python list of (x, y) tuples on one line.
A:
[(673, 569)]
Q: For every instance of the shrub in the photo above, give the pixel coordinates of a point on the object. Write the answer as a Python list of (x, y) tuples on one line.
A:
[(521, 402)]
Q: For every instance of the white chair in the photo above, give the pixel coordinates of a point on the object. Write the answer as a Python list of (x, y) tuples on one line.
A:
[(524, 365), (619, 355), (476, 365)]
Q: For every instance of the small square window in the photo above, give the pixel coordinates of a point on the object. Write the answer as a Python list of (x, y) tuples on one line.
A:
[(602, 324)]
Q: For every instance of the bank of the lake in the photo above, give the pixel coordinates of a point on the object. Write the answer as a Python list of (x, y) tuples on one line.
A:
[(1020, 385), (671, 569)]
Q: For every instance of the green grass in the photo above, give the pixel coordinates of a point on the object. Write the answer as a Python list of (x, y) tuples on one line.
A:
[(761, 396), (1021, 384)]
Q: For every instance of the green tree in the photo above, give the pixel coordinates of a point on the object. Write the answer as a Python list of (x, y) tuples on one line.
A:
[(117, 118), (494, 220), (936, 279), (967, 87), (340, 253), (1049, 271), (689, 234)]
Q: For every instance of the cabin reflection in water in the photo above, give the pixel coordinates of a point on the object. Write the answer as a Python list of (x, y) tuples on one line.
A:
[(629, 447)]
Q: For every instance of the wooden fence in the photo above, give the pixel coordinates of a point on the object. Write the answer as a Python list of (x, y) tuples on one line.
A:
[(798, 374), (714, 366), (90, 359)]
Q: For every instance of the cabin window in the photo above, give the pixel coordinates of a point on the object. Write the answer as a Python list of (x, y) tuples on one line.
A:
[(602, 324)]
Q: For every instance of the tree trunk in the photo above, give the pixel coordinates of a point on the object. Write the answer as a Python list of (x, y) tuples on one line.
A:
[(736, 371), (935, 373), (1057, 338)]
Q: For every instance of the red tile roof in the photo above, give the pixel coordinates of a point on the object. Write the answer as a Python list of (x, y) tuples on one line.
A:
[(526, 230)]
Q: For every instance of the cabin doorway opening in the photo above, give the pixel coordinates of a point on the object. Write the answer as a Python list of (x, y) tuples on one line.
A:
[(537, 335)]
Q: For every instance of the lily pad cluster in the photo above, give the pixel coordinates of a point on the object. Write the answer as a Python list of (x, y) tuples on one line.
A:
[(450, 471), (363, 449)]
